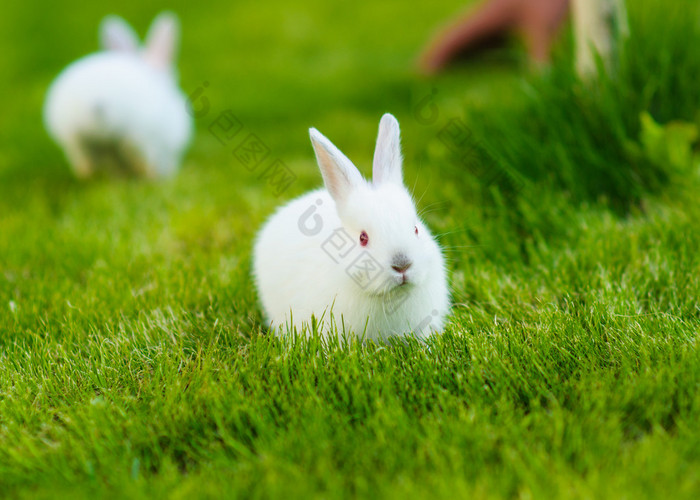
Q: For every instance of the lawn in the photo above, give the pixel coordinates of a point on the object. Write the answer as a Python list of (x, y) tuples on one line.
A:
[(134, 360)]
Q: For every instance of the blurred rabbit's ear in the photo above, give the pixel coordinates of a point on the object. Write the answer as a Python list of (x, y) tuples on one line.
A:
[(340, 176), (386, 166), (162, 40), (117, 34)]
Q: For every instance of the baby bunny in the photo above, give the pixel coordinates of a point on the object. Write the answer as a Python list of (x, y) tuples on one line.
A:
[(121, 108), (355, 251)]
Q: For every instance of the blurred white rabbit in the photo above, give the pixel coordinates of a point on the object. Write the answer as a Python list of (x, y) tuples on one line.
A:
[(122, 107)]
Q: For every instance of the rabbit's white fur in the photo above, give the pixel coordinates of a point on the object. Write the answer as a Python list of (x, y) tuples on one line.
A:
[(302, 269), (122, 105)]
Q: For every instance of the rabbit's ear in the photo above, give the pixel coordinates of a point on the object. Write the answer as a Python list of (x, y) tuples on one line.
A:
[(386, 166), (162, 40), (339, 174), (116, 34)]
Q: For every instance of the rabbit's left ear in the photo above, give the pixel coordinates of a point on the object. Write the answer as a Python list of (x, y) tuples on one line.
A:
[(386, 166), (162, 40), (116, 34)]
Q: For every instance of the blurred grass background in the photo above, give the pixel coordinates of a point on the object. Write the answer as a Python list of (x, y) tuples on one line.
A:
[(132, 362)]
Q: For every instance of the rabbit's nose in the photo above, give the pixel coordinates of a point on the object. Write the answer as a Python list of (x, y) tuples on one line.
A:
[(400, 263)]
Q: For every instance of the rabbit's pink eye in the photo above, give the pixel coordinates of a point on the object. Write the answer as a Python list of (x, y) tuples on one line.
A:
[(416, 228), (364, 239)]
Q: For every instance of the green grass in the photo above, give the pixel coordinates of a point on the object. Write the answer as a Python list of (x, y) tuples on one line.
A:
[(584, 138), (132, 358)]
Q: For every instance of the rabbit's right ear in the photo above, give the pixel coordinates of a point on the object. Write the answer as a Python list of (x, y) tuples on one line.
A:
[(340, 176), (162, 40), (116, 34)]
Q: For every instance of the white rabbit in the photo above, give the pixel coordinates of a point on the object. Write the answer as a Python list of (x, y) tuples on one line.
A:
[(122, 107), (356, 251)]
